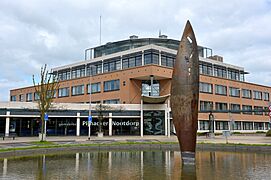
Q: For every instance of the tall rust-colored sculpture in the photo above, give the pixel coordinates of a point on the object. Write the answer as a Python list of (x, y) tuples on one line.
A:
[(185, 94)]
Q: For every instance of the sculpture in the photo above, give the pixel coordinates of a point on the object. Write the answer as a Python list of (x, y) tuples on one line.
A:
[(185, 94)]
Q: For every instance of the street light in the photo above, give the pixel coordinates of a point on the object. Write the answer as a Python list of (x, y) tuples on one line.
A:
[(89, 111)]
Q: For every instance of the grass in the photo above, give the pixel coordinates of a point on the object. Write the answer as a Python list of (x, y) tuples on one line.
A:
[(42, 143)]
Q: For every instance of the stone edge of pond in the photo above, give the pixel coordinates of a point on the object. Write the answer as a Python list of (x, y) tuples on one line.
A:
[(30, 151)]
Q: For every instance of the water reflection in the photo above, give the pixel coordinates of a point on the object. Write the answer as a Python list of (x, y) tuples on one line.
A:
[(138, 165)]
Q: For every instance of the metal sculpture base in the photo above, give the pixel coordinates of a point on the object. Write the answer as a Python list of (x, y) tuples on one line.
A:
[(188, 157)]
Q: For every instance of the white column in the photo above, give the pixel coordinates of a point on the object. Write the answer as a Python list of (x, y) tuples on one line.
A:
[(166, 120), (7, 123), (214, 126), (141, 118), (78, 124), (110, 124), (160, 59), (142, 58)]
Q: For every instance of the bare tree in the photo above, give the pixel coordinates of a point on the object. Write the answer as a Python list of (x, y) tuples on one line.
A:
[(101, 108), (45, 91)]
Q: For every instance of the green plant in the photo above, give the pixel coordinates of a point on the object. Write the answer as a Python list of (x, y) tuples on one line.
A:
[(268, 133), (260, 132)]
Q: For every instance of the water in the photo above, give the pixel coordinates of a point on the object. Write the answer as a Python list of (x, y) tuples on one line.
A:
[(138, 165)]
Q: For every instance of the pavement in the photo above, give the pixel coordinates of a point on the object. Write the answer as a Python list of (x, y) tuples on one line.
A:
[(259, 139)]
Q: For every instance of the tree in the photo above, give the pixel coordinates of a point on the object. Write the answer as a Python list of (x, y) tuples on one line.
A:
[(100, 108), (45, 91)]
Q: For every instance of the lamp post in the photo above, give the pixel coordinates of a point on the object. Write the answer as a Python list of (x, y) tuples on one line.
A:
[(89, 111)]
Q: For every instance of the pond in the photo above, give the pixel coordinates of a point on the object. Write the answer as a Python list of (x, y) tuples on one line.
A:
[(137, 165)]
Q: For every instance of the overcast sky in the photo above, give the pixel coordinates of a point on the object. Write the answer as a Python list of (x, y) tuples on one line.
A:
[(33, 32)]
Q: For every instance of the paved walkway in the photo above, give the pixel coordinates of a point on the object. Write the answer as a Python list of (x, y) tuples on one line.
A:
[(27, 141)]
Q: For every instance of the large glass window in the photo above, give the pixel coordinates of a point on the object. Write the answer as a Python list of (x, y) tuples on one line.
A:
[(258, 126), (247, 109), (78, 72), (64, 74), (167, 59), (132, 60), (205, 87), (112, 85), (257, 95), (151, 56), (206, 105), (78, 90), (95, 88), (36, 96), (21, 97), (237, 125), (148, 91), (234, 92), (29, 97), (247, 125), (63, 92), (266, 96), (258, 110), (203, 125), (235, 108), (233, 74), (220, 71), (154, 122), (221, 106), (221, 90), (12, 98), (112, 65), (94, 68), (111, 101), (246, 93), (222, 125), (205, 68)]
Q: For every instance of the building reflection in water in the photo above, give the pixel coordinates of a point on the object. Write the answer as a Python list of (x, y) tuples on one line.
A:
[(137, 165)]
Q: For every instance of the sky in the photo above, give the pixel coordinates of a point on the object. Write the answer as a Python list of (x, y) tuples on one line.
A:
[(57, 32)]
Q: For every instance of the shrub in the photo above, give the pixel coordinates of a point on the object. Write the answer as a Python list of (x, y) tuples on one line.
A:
[(268, 133)]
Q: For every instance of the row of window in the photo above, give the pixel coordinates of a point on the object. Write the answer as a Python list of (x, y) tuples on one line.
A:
[(75, 90), (234, 108), (237, 125), (220, 71), (234, 92), (151, 56)]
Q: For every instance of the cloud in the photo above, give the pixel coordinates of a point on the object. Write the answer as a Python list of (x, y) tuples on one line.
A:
[(33, 32)]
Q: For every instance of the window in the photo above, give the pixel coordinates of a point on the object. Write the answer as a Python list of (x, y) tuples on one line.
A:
[(206, 105), (29, 97), (167, 59), (222, 125), (12, 98), (221, 90), (233, 74), (205, 87), (237, 125), (94, 68), (36, 96), (266, 96), (234, 92), (257, 95), (246, 93), (63, 92), (247, 125), (235, 108), (203, 125), (111, 65), (64, 74), (95, 88), (205, 68), (246, 109), (258, 126), (21, 97), (112, 85), (132, 60), (220, 71), (258, 110), (221, 106), (146, 88), (77, 90), (266, 111), (112, 101), (151, 56), (78, 72)]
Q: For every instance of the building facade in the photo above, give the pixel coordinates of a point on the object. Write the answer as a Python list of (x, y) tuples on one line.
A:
[(134, 77)]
